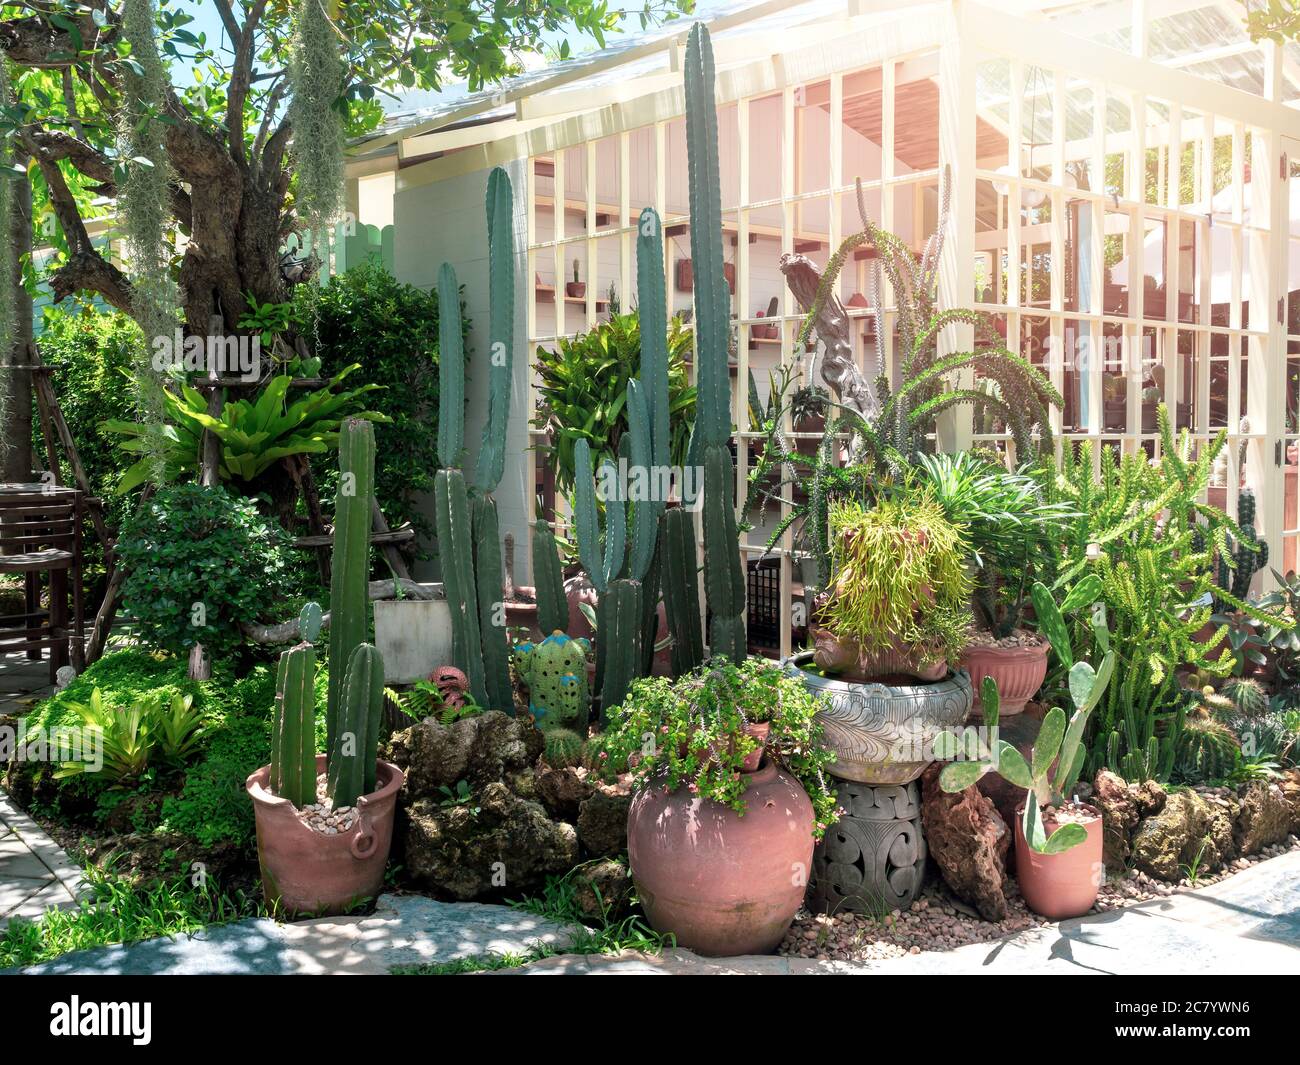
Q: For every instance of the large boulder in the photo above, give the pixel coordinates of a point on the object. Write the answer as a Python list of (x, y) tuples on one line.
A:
[(498, 843), (1122, 806), (562, 792), (1191, 829), (480, 750), (968, 840), (1290, 786), (1263, 819), (602, 823)]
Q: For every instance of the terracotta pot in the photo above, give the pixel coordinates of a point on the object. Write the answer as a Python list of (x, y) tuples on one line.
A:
[(846, 657), (1059, 886), (760, 730), (723, 884), (575, 289), (521, 613), (1018, 671), (309, 873)]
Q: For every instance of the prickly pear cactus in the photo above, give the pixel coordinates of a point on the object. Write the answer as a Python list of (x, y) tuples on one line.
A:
[(555, 671)]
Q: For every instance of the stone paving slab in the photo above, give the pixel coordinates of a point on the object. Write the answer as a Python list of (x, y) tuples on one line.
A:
[(403, 930), (35, 873)]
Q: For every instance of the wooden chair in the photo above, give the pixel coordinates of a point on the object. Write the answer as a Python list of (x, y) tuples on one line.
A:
[(40, 532)]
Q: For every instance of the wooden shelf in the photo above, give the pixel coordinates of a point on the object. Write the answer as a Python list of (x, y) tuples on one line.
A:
[(546, 293)]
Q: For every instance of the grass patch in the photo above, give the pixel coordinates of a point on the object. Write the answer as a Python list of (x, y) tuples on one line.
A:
[(116, 910)]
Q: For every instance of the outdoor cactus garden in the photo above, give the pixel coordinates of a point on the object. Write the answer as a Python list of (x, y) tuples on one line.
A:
[(470, 665)]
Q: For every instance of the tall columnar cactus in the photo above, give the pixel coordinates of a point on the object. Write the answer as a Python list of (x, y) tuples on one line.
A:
[(350, 576), (621, 628), (548, 576), (353, 750), (293, 728), (468, 533), (724, 578), (1249, 553), (681, 589)]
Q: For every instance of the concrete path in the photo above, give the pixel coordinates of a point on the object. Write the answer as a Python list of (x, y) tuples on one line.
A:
[(1249, 923), (403, 930), (35, 874)]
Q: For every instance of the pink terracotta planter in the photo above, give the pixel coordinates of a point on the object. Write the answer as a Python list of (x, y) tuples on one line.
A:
[(309, 873), (1059, 886), (846, 657), (1018, 671), (722, 883)]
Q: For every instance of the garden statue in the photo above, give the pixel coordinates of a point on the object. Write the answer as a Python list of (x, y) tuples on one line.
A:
[(555, 671)]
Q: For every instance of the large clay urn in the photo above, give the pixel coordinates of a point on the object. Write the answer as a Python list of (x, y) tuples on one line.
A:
[(722, 883), (1059, 886), (1018, 671), (309, 873)]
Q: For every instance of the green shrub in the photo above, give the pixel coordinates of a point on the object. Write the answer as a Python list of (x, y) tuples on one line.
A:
[(367, 316), (199, 561), (582, 389)]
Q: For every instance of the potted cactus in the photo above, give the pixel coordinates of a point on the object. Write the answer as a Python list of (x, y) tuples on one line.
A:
[(1058, 839), (325, 821), (576, 288)]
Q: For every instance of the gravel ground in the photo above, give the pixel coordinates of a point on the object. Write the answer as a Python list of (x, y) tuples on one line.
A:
[(937, 921)]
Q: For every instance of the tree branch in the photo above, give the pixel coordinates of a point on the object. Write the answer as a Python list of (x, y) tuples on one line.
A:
[(33, 42)]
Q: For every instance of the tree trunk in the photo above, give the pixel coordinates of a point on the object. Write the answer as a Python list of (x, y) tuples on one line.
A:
[(16, 458)]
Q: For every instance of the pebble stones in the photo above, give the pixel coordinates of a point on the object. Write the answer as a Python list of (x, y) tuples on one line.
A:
[(321, 816), (935, 923)]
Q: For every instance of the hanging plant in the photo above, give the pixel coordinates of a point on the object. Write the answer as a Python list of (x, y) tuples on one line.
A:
[(8, 264), (316, 75), (144, 178)]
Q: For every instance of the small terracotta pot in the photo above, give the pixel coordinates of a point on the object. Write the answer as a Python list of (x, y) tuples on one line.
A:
[(310, 873), (575, 289), (1059, 886), (847, 658), (1018, 671), (722, 883), (521, 613), (760, 730)]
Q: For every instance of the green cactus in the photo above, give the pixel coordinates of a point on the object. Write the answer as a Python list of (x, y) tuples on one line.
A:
[(555, 670), (354, 750), (350, 576), (310, 619), (492, 620), (1244, 557), (621, 633), (1059, 742), (1247, 695), (565, 749), (681, 590), (451, 369), (455, 542), (501, 328), (548, 576), (293, 729)]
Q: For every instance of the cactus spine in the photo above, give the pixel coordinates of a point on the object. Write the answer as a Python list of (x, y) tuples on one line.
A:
[(349, 579), (293, 735), (548, 576), (724, 578), (352, 753), (468, 535)]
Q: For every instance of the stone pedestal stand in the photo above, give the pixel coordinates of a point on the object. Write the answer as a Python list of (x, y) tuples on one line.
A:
[(873, 859)]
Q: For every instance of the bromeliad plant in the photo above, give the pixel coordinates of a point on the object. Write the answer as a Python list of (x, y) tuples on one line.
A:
[(1060, 742), (695, 732), (255, 435), (154, 729)]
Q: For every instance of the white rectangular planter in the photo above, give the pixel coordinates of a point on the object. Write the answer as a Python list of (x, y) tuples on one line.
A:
[(414, 636)]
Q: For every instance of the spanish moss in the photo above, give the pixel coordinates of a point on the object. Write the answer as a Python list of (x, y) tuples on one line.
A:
[(316, 72), (8, 267)]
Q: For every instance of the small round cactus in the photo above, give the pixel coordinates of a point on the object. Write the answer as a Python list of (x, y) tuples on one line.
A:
[(1248, 696), (564, 749)]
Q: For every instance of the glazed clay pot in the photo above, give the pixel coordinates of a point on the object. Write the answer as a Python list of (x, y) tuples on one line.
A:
[(883, 733), (1059, 886), (1019, 672), (838, 655), (723, 884), (310, 873)]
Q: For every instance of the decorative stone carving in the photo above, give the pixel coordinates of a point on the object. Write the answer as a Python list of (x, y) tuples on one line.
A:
[(881, 733), (873, 859)]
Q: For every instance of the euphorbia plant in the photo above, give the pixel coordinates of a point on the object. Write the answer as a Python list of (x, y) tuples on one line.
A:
[(1059, 742), (694, 731)]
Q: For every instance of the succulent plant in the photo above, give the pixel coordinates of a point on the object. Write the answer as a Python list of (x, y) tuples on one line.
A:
[(565, 749)]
